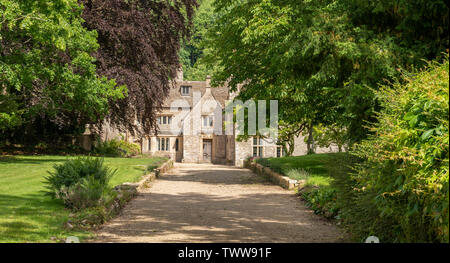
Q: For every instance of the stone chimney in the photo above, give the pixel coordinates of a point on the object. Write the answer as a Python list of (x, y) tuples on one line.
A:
[(208, 81), (179, 76)]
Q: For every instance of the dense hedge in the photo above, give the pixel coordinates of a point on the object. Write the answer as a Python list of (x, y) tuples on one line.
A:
[(402, 183), (117, 148)]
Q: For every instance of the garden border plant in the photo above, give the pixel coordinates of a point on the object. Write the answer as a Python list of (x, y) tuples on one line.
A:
[(314, 173), (83, 186), (394, 185), (402, 182), (116, 148)]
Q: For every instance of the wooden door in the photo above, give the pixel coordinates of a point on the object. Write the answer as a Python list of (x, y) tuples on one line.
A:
[(207, 151)]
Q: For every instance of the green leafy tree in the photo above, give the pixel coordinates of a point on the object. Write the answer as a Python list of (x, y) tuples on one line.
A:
[(418, 27), (325, 136), (48, 79), (412, 31), (193, 51), (287, 134), (295, 53), (315, 57)]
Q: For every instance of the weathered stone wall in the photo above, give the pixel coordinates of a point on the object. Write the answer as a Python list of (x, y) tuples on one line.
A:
[(219, 153), (153, 149), (186, 125), (301, 147), (86, 141), (270, 150), (243, 150), (230, 146), (192, 149), (109, 132), (274, 177), (144, 145)]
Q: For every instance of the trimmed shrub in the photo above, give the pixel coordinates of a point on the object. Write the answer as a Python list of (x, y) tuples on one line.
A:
[(117, 148), (108, 206), (89, 192), (322, 201), (69, 176), (402, 184)]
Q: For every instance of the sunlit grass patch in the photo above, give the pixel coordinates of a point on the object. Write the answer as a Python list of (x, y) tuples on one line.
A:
[(28, 215)]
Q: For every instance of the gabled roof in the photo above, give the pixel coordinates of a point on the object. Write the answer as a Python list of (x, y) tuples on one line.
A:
[(219, 93)]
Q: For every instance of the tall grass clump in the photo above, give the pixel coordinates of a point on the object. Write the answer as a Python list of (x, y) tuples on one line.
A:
[(297, 174)]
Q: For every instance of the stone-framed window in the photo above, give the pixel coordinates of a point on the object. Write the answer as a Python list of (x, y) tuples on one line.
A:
[(163, 144), (207, 121), (165, 120), (280, 151), (185, 90), (258, 147), (149, 144)]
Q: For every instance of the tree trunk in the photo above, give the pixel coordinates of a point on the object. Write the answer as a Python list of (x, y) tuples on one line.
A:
[(310, 143), (291, 146)]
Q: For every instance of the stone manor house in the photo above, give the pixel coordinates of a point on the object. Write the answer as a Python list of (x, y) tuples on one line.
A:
[(195, 105)]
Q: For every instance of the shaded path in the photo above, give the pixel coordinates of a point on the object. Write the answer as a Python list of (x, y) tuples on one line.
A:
[(210, 203)]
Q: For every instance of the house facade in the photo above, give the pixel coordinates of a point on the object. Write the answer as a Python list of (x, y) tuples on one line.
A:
[(191, 122)]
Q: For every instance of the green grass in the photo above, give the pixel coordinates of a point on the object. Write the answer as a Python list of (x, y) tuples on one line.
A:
[(317, 167), (27, 215)]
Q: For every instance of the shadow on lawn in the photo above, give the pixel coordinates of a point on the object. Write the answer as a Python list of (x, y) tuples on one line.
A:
[(29, 217), (25, 160), (30, 204), (315, 164)]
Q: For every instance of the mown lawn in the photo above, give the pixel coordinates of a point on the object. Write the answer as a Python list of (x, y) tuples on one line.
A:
[(317, 166), (27, 215)]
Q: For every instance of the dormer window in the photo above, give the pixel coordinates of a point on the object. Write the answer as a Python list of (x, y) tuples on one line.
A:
[(186, 90), (164, 120), (207, 121)]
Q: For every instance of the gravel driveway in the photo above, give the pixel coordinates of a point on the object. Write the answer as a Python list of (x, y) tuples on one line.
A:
[(211, 203)]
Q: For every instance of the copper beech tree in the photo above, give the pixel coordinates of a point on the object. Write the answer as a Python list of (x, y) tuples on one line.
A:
[(139, 43)]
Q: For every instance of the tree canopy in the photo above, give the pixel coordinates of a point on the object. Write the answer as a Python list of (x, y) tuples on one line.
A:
[(48, 79), (323, 59), (66, 64), (193, 53)]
